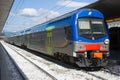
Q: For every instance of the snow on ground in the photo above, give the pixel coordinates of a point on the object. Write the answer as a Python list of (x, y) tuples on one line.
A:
[(60, 72), (105, 75), (27, 68)]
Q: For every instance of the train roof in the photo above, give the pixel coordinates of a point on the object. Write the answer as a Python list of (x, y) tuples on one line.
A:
[(37, 28), (67, 15)]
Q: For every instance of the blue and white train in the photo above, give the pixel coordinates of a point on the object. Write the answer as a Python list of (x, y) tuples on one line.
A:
[(79, 37)]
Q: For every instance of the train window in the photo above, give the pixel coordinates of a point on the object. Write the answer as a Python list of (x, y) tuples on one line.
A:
[(68, 32), (97, 26), (91, 27), (84, 24)]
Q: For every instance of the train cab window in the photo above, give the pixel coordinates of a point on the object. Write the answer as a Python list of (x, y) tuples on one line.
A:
[(84, 26), (91, 27), (68, 32)]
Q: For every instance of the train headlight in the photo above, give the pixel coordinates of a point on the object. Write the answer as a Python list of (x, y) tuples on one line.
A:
[(82, 48), (106, 41), (104, 48)]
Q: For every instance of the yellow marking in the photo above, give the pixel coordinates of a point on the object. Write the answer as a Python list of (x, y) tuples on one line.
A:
[(114, 19), (63, 44)]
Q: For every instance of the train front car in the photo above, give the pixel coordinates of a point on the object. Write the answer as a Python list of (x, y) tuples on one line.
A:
[(91, 40)]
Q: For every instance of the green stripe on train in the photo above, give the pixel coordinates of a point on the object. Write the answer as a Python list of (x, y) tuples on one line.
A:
[(49, 39)]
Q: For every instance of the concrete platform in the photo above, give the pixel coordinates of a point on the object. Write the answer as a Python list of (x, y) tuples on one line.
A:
[(4, 75), (7, 69)]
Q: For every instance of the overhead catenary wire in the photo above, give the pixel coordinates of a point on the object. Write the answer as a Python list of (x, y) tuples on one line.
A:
[(57, 9), (15, 11), (44, 16)]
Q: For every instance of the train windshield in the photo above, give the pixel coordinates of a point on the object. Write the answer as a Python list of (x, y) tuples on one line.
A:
[(91, 28)]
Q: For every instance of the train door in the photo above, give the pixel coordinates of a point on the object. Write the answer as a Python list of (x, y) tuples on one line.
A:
[(49, 40), (28, 40)]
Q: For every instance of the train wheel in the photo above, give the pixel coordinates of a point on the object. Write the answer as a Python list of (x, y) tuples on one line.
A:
[(62, 57), (56, 55), (66, 58), (23, 46), (13, 43)]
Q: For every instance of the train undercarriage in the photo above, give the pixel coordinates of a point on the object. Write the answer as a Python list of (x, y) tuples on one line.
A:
[(87, 59)]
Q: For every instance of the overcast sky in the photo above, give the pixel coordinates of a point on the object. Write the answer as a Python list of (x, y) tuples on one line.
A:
[(27, 13)]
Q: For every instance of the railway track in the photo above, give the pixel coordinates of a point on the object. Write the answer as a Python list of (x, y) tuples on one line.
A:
[(99, 77), (75, 69), (20, 71), (108, 70), (36, 66), (53, 76), (103, 73)]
